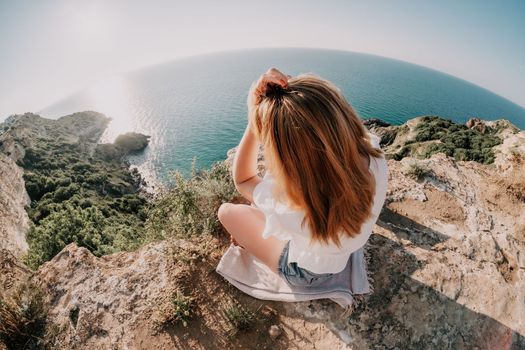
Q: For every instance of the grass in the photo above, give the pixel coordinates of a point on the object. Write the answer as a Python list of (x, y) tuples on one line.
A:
[(179, 309), (240, 318), (190, 207), (23, 316), (183, 308), (418, 171)]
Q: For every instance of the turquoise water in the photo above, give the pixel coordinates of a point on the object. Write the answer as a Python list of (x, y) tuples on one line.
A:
[(197, 106)]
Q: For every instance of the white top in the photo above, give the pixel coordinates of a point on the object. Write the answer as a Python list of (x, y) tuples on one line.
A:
[(284, 223)]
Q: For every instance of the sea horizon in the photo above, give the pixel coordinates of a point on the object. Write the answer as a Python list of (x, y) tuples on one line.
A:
[(195, 106)]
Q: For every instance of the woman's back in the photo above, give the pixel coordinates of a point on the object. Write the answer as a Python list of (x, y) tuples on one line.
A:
[(316, 256), (325, 182)]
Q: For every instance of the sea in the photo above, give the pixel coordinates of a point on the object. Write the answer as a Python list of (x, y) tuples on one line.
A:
[(195, 109)]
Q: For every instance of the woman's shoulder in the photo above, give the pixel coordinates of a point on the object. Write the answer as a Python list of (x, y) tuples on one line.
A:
[(261, 192), (375, 140), (263, 188), (282, 221), (378, 165), (263, 195)]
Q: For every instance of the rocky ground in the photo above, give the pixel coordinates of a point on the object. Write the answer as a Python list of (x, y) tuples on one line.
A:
[(446, 259)]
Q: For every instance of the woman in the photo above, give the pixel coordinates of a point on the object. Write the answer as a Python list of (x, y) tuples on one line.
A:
[(324, 185)]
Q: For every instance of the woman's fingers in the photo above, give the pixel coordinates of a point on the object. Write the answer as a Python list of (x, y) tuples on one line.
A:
[(272, 76)]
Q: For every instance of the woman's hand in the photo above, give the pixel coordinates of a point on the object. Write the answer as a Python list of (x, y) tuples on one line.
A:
[(245, 162), (258, 88)]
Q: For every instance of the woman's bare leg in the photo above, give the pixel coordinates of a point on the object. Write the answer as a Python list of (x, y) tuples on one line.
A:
[(246, 223)]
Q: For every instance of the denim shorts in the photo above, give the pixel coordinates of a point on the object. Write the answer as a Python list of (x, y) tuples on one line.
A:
[(297, 276)]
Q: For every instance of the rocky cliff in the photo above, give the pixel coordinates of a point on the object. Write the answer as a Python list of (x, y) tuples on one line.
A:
[(13, 200), (19, 133), (78, 190), (446, 259)]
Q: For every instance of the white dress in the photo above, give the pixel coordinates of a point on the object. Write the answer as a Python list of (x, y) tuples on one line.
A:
[(284, 223)]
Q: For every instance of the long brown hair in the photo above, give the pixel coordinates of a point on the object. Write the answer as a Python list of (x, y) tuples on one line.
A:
[(313, 145)]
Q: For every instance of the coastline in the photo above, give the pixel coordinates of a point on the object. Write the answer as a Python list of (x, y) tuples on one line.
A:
[(448, 241), (67, 173)]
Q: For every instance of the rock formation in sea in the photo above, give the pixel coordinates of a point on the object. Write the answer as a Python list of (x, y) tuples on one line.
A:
[(446, 260)]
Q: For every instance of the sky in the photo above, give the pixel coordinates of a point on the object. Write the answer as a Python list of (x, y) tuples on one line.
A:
[(50, 49)]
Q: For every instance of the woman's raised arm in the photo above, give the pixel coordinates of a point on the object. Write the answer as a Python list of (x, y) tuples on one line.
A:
[(245, 162), (245, 165)]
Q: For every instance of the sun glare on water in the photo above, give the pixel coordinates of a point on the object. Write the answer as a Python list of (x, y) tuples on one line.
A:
[(111, 97)]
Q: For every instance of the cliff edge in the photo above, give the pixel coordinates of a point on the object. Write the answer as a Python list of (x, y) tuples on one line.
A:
[(446, 260)]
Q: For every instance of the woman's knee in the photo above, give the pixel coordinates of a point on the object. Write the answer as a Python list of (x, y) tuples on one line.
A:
[(225, 211)]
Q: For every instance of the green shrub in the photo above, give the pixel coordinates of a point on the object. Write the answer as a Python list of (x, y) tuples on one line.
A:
[(455, 140), (424, 135), (64, 181), (32, 156), (434, 148), (54, 232), (97, 179), (63, 193), (183, 308), (240, 317), (190, 206), (35, 185), (462, 154), (50, 184), (405, 151), (82, 167), (33, 190), (70, 203), (86, 203), (23, 315), (100, 229), (418, 171)]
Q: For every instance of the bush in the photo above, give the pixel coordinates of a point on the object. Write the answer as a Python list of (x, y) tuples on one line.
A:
[(83, 226), (97, 179), (50, 184), (179, 309), (32, 156), (239, 317), (190, 206), (455, 140), (183, 308), (68, 187), (82, 167), (63, 182), (86, 203), (23, 316), (403, 152), (462, 154), (434, 148), (418, 171), (458, 139), (424, 135), (35, 185), (63, 193), (33, 190)]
